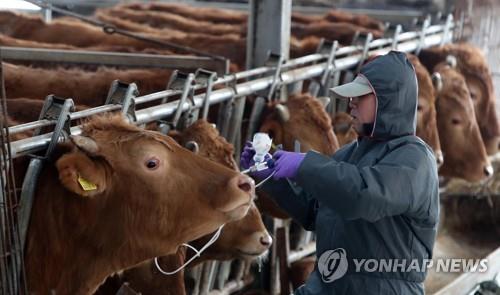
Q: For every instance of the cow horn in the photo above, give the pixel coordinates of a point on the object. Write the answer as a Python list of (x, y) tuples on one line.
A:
[(86, 144), (325, 100), (437, 81), (283, 112), (451, 60), (192, 146)]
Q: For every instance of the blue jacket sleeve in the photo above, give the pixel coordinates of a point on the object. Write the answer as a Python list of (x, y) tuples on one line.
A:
[(400, 183), (294, 200)]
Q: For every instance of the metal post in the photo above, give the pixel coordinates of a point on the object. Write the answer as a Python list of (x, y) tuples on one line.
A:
[(268, 30), (47, 13), (397, 31)]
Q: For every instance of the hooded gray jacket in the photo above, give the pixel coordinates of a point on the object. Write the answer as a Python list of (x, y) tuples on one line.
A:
[(375, 199)]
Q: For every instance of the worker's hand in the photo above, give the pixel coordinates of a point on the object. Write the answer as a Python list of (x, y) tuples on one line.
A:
[(246, 161), (286, 164)]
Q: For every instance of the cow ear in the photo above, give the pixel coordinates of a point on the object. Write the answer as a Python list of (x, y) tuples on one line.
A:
[(437, 81), (274, 129), (192, 146), (451, 60), (176, 135), (283, 112), (81, 174), (86, 144)]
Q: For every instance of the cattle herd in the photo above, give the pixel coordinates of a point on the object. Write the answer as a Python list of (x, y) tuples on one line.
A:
[(117, 195)]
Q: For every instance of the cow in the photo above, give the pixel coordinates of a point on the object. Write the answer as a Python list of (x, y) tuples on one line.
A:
[(226, 16), (472, 64), (24, 110), (426, 109), (87, 88), (246, 238), (464, 152), (343, 32), (117, 195), (303, 118), (214, 15), (15, 42), (160, 20), (77, 33)]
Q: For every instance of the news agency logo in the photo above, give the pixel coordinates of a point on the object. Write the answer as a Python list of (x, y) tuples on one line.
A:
[(332, 265)]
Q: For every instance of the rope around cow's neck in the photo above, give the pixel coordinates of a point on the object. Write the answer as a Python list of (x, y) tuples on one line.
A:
[(198, 253)]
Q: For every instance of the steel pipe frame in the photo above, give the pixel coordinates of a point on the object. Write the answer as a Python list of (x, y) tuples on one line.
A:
[(37, 143), (301, 61), (114, 58)]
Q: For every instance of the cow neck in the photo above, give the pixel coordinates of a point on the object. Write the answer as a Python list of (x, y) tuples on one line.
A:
[(72, 245)]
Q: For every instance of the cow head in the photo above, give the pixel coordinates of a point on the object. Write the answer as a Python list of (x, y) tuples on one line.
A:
[(203, 138), (148, 184), (301, 118), (426, 109), (464, 152), (245, 238), (471, 62)]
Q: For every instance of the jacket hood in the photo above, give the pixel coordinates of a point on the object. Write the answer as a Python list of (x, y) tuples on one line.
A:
[(394, 82)]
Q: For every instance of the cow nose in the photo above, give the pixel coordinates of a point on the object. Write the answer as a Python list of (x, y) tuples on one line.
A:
[(246, 184), (439, 158), (488, 170), (266, 240)]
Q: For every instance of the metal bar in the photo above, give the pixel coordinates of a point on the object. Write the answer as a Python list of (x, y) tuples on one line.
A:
[(268, 30), (233, 286), (282, 253), (296, 255), (114, 58), (243, 89), (301, 61)]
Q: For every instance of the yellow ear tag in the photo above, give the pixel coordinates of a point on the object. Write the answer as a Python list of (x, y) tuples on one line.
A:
[(86, 185)]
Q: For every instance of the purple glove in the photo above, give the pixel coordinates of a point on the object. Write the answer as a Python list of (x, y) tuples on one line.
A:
[(286, 164), (246, 161)]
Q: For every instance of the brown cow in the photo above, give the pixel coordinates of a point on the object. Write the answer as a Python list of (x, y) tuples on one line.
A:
[(303, 118), (426, 109), (25, 110), (246, 238), (80, 34), (473, 65), (464, 152), (10, 41), (226, 16), (214, 15), (93, 194), (85, 87), (343, 32), (160, 20)]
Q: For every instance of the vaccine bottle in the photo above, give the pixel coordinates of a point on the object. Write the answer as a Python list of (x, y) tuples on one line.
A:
[(261, 144)]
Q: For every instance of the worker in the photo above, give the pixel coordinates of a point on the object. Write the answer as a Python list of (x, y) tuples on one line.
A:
[(375, 200)]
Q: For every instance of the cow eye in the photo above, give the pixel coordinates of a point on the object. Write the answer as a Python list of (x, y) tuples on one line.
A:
[(152, 163), (455, 121), (419, 108)]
